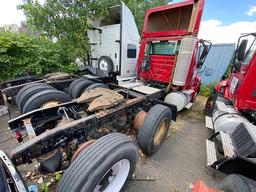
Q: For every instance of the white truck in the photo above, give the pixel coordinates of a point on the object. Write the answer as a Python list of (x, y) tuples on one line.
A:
[(115, 43)]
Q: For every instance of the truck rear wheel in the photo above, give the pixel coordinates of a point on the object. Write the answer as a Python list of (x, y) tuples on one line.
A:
[(27, 91), (71, 86), (39, 99), (79, 88), (104, 166), (237, 183), (154, 129)]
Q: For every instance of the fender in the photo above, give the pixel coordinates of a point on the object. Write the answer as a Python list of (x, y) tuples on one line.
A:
[(195, 86), (219, 87)]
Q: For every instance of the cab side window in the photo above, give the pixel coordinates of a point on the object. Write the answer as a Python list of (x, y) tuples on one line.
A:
[(250, 53), (131, 51)]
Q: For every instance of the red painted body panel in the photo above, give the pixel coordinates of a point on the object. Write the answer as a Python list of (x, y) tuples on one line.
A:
[(162, 67), (244, 96), (176, 32), (200, 186)]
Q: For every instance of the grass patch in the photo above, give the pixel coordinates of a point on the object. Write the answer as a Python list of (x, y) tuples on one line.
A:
[(206, 90)]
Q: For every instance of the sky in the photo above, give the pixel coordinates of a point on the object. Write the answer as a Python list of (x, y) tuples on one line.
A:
[(223, 20)]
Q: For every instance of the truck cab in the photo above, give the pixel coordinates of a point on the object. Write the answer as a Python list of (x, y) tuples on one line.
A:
[(232, 115), (169, 43), (168, 53), (233, 100), (240, 87)]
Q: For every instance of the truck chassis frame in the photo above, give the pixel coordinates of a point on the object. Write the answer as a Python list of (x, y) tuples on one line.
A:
[(49, 135)]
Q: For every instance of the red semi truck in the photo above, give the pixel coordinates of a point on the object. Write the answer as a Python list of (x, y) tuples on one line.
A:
[(231, 114), (168, 53), (167, 80)]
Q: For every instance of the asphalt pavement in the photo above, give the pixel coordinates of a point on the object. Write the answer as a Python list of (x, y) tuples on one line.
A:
[(174, 168)]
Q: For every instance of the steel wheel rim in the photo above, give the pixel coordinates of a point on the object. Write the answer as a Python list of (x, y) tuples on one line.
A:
[(119, 173), (160, 133), (103, 65)]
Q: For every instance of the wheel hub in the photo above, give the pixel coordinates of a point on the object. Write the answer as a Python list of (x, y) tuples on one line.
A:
[(114, 178), (160, 133)]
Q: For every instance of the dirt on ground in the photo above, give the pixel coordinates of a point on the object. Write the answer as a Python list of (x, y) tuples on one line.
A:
[(174, 168)]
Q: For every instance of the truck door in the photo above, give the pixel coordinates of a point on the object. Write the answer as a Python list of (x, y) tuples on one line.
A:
[(129, 45)]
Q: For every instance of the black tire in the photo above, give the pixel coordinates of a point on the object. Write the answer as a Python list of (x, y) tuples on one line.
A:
[(37, 100), (150, 128), (27, 91), (87, 170), (70, 88), (97, 85), (237, 183), (80, 87), (211, 103), (108, 65)]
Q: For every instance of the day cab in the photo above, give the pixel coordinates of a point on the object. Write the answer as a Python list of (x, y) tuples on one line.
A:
[(169, 55)]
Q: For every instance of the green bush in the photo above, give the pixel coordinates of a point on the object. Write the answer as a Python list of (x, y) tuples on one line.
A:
[(22, 54), (206, 90)]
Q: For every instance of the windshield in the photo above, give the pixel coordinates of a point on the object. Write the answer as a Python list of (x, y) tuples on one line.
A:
[(250, 53), (162, 48)]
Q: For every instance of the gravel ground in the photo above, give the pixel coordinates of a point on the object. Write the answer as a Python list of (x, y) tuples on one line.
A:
[(174, 168)]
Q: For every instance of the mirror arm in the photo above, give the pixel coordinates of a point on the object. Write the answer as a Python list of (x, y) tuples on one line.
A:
[(207, 48)]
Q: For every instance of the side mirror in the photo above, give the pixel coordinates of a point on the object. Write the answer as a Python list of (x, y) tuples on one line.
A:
[(204, 53), (241, 50), (206, 48)]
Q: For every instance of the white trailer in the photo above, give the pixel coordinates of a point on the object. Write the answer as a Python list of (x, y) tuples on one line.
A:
[(115, 43)]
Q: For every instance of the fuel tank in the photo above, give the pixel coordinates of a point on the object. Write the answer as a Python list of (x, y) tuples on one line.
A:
[(180, 99), (228, 121)]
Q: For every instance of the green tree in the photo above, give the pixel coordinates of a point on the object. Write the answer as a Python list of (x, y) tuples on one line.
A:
[(68, 20), (22, 54), (139, 8)]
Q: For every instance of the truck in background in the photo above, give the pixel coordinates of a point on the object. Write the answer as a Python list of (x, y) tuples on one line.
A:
[(231, 114), (115, 43)]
